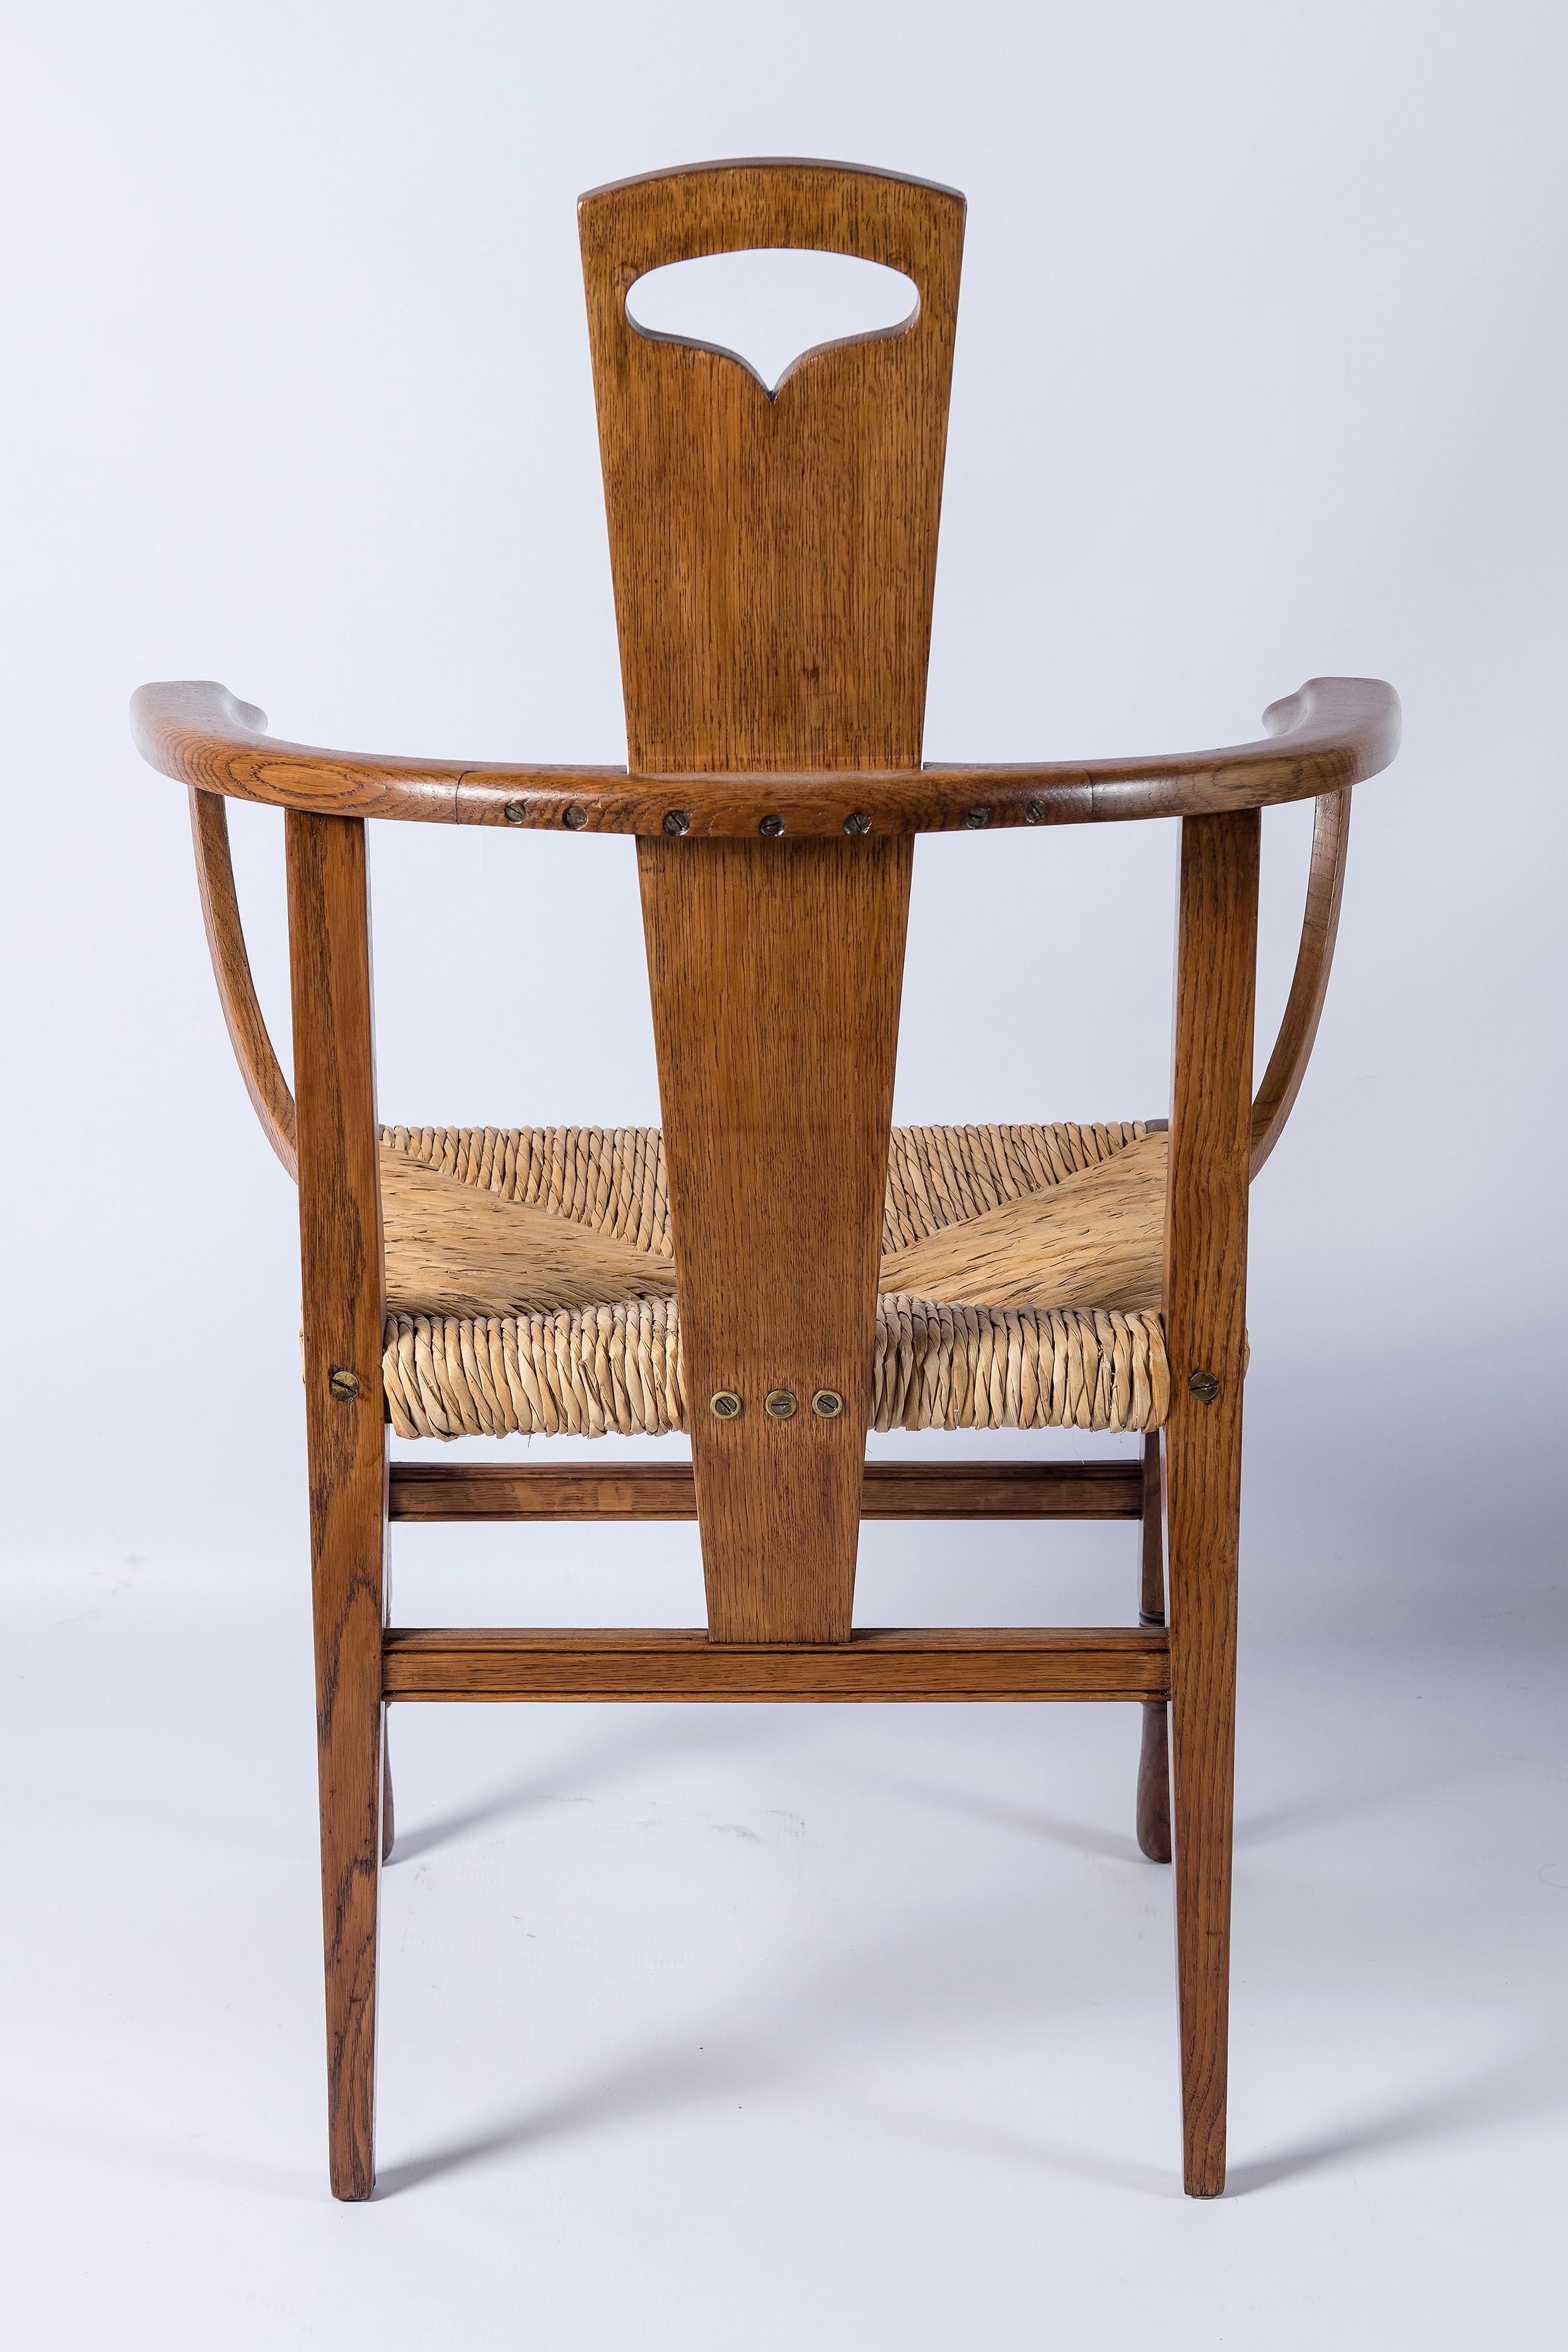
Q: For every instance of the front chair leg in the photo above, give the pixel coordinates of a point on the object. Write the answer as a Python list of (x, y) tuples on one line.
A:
[(1205, 1525), (340, 1264), (1153, 1813)]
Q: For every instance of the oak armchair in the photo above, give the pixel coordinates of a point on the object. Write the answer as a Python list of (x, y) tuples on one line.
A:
[(780, 1269)]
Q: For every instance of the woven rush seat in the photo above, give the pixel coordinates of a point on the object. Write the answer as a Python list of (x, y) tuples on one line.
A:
[(530, 1285)]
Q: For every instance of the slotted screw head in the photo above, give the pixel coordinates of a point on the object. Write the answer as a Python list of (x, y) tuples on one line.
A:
[(676, 820), (345, 1384), (1034, 814), (976, 819), (772, 826), (780, 1402), (856, 821), (724, 1404), (827, 1403), (516, 812), (574, 818), (1205, 1386)]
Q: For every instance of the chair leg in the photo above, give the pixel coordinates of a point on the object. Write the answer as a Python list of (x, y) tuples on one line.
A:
[(1153, 1813), (352, 1769), (1203, 1536), (1206, 1342), (341, 1267)]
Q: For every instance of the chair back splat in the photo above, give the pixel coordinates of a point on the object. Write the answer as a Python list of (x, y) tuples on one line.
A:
[(774, 558)]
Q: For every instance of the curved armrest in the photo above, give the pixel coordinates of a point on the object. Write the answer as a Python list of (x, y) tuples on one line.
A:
[(264, 1080), (1310, 981), (1333, 731)]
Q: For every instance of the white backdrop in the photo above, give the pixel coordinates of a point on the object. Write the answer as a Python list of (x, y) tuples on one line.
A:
[(1260, 374)]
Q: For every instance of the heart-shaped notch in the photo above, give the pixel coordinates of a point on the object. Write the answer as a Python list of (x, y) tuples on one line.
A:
[(768, 306)]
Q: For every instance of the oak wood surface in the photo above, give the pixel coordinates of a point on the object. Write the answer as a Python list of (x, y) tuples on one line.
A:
[(1154, 1802), (667, 1490), (1310, 981), (1114, 1664), (243, 1017), (775, 971), (773, 554), (1331, 732), (1205, 1333), (340, 1251)]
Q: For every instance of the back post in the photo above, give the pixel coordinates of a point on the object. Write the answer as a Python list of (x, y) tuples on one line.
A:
[(1205, 1341), (773, 558), (341, 1263)]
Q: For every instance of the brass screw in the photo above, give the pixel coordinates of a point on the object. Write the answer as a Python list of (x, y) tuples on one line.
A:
[(724, 1403), (516, 812), (574, 818), (676, 820), (856, 821), (1034, 814), (345, 1384), (772, 826), (976, 819), (828, 1404), (1205, 1386), (780, 1402)]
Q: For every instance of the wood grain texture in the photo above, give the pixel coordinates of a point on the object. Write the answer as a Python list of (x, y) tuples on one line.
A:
[(1206, 1331), (1096, 1239), (247, 1031), (773, 555), (1310, 981), (1331, 732), (1152, 1813), (775, 970), (667, 1490), (1116, 1663), (340, 1251)]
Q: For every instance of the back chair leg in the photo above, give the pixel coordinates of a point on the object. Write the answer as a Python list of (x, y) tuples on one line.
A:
[(1153, 1814)]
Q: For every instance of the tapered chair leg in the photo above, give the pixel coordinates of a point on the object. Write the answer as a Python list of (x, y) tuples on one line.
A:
[(1153, 1813), (1203, 1720), (1206, 1328), (341, 1263), (351, 1789)]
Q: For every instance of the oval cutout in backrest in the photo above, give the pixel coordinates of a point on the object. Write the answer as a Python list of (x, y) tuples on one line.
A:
[(769, 305)]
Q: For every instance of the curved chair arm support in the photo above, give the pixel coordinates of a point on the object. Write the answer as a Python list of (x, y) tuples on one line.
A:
[(1333, 731), (264, 1080), (1310, 981)]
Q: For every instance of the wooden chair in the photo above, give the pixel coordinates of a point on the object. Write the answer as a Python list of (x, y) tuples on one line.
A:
[(774, 558)]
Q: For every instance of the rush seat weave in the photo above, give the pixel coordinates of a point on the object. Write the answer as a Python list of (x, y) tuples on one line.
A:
[(590, 1366)]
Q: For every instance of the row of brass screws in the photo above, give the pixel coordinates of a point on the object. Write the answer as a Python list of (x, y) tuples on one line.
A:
[(827, 1403), (679, 821)]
